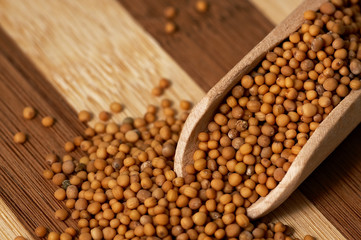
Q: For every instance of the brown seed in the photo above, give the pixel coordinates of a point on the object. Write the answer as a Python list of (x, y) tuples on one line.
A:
[(53, 236), (355, 84), (20, 137), (19, 238), (185, 105), (170, 12), (116, 107), (47, 121), (355, 66), (104, 116), (309, 15), (309, 110), (169, 28), (157, 91), (327, 8), (84, 116), (61, 214), (29, 113), (330, 84), (41, 231), (202, 6)]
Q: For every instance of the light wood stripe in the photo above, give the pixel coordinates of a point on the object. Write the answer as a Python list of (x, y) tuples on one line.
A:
[(93, 52), (10, 227), (276, 10)]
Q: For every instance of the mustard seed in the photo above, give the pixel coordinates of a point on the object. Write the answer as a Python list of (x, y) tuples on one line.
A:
[(19, 238), (53, 236), (20, 137), (84, 116), (355, 84), (116, 107), (157, 91), (104, 116), (169, 12), (47, 121), (41, 231), (61, 214), (29, 113), (202, 6), (169, 28)]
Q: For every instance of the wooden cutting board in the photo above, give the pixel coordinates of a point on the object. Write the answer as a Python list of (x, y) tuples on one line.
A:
[(62, 56)]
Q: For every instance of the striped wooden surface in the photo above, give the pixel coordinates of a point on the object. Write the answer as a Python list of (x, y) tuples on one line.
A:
[(70, 55)]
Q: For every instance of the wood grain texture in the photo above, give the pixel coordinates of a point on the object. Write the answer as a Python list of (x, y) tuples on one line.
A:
[(24, 191), (276, 10), (334, 188), (94, 59), (207, 45), (48, 52)]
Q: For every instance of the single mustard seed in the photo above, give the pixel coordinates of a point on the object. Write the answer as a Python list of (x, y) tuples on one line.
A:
[(29, 113), (53, 236), (164, 83), (84, 116), (19, 238), (47, 121), (61, 214), (69, 146), (40, 231), (157, 91), (116, 107), (170, 28), (65, 236), (185, 105), (104, 116), (170, 12), (202, 6), (20, 137)]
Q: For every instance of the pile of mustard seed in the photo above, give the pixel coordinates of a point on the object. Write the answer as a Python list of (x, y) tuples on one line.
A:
[(124, 186)]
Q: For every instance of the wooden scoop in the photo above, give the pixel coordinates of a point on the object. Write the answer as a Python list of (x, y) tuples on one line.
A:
[(331, 132)]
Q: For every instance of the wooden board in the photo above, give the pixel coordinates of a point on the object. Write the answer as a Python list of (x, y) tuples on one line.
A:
[(70, 55)]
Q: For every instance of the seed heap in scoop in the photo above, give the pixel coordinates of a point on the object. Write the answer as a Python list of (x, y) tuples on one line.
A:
[(268, 117)]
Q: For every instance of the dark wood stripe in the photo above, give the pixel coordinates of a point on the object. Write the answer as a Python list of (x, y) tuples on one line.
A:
[(22, 187), (208, 45), (335, 186)]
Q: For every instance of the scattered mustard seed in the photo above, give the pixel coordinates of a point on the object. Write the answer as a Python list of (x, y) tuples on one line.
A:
[(185, 105), (53, 236), (157, 91), (61, 214), (47, 121), (69, 146), (164, 83), (202, 6), (84, 116), (29, 113), (65, 236), (40, 231), (19, 238), (20, 137), (104, 116), (170, 12), (116, 107), (51, 158), (170, 27)]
